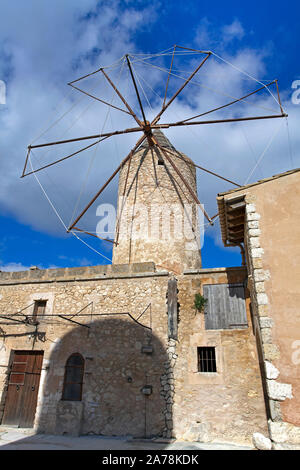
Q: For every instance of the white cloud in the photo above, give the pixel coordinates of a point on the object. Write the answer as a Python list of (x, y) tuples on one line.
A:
[(233, 31), (13, 267), (209, 35), (48, 45)]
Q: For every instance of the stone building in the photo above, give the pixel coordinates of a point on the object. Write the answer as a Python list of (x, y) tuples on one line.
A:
[(121, 349), (264, 216)]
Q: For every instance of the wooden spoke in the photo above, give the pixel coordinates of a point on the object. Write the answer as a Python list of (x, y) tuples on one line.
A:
[(216, 121), (93, 235), (229, 104), (84, 76), (169, 74), (96, 136), (194, 50), (25, 165), (279, 100), (121, 97), (136, 88), (157, 118), (183, 179), (98, 99), (141, 139), (61, 159), (123, 199), (208, 171)]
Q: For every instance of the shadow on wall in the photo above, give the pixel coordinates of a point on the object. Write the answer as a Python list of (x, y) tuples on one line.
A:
[(107, 378)]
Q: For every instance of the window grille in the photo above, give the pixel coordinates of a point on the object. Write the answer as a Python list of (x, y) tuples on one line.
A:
[(207, 359)]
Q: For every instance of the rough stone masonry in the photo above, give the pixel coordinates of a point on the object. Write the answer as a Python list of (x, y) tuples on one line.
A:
[(135, 375)]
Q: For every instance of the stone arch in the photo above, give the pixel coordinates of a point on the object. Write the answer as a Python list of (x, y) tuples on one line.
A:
[(123, 390)]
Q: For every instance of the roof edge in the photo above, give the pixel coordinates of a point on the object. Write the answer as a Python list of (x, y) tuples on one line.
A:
[(265, 180), (224, 203)]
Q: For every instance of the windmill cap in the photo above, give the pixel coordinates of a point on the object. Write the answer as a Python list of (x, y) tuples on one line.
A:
[(161, 139), (165, 143)]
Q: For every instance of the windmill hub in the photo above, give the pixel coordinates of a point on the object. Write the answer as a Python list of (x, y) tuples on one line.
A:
[(148, 134)]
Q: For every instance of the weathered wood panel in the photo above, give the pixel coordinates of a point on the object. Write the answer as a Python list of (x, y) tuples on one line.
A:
[(225, 307), (21, 398)]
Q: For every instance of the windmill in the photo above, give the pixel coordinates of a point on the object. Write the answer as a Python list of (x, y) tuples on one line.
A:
[(148, 130)]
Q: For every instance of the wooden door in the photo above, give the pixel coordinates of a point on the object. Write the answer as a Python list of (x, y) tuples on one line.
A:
[(23, 386)]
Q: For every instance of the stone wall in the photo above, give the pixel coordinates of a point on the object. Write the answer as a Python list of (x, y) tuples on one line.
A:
[(124, 353), (277, 391), (272, 233), (230, 403), (111, 347)]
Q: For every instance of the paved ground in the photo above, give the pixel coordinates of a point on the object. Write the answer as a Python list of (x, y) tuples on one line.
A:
[(23, 439)]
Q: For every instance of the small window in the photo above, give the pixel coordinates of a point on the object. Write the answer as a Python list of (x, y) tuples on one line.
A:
[(72, 389), (207, 359), (39, 309)]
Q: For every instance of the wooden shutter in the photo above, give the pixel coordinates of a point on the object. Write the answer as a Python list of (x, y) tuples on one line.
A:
[(225, 307), (39, 308)]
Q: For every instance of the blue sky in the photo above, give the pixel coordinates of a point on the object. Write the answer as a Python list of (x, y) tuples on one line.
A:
[(43, 46)]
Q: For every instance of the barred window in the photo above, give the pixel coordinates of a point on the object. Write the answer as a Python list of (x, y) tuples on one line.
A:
[(72, 389), (207, 359)]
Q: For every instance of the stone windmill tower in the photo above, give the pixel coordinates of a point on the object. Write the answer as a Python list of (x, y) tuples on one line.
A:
[(158, 219)]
